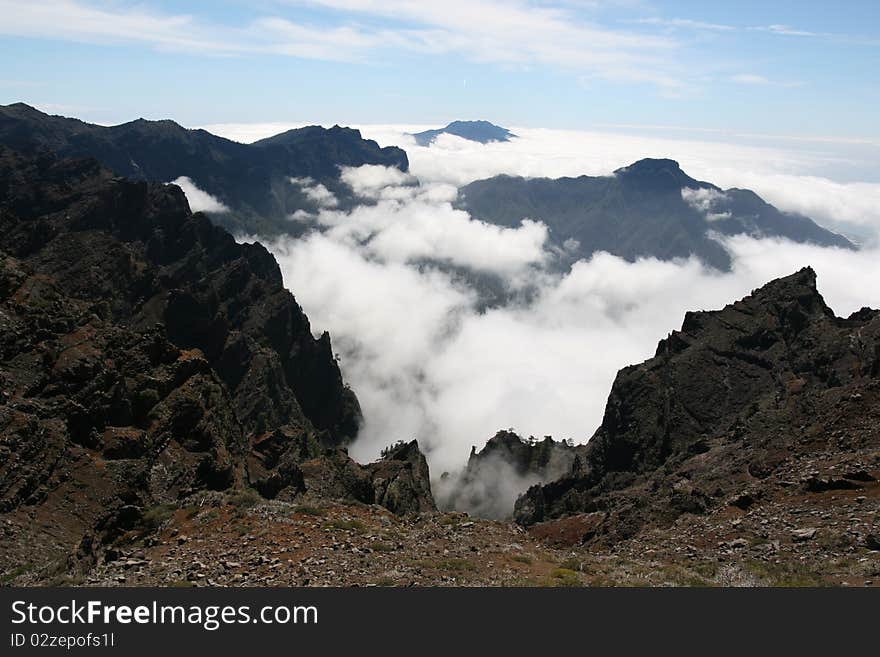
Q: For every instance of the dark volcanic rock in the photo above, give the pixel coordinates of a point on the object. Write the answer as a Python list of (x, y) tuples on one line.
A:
[(725, 403), (649, 209), (253, 180), (136, 254), (144, 354), (399, 481)]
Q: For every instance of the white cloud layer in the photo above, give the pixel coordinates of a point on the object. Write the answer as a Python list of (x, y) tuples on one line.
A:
[(792, 173), (428, 362), (316, 192), (705, 200), (794, 176), (407, 223), (199, 200)]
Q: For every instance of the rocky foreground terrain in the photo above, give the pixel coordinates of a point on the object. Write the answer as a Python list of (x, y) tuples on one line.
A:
[(167, 417), (796, 538)]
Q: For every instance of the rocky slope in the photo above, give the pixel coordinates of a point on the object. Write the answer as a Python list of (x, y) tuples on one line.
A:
[(770, 403), (649, 209), (252, 180), (222, 540), (145, 356)]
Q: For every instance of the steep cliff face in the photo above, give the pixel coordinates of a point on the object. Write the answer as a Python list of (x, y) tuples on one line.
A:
[(145, 355), (734, 403), (135, 251)]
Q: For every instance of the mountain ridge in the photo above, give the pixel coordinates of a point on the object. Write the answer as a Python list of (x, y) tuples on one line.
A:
[(650, 208), (252, 180)]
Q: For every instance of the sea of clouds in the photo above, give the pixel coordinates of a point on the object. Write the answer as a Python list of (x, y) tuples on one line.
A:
[(429, 360)]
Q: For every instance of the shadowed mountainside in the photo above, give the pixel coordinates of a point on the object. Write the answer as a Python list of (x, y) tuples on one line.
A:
[(648, 209), (252, 180)]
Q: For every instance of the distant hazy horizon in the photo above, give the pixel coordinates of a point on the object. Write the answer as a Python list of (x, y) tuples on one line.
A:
[(804, 69)]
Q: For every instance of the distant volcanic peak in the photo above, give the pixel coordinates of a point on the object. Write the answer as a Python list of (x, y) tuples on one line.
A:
[(650, 165), (482, 132), (654, 171), (476, 125)]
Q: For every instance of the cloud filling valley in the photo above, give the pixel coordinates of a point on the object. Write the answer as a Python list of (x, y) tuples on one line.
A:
[(396, 283)]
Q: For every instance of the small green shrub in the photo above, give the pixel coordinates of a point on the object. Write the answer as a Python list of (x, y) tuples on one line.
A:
[(156, 516), (566, 577), (245, 499), (346, 525), (308, 510)]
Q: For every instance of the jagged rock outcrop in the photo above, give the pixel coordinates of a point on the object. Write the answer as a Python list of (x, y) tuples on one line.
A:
[(733, 398), (251, 180), (399, 481), (650, 208), (506, 466), (527, 456), (135, 253), (146, 356)]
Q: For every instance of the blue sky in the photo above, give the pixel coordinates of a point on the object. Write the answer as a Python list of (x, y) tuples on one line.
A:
[(783, 68)]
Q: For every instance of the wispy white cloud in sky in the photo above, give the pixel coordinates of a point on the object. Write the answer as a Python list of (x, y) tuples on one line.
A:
[(789, 31), (519, 32), (508, 33), (585, 41), (685, 23), (760, 80), (81, 21), (749, 78), (786, 30)]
